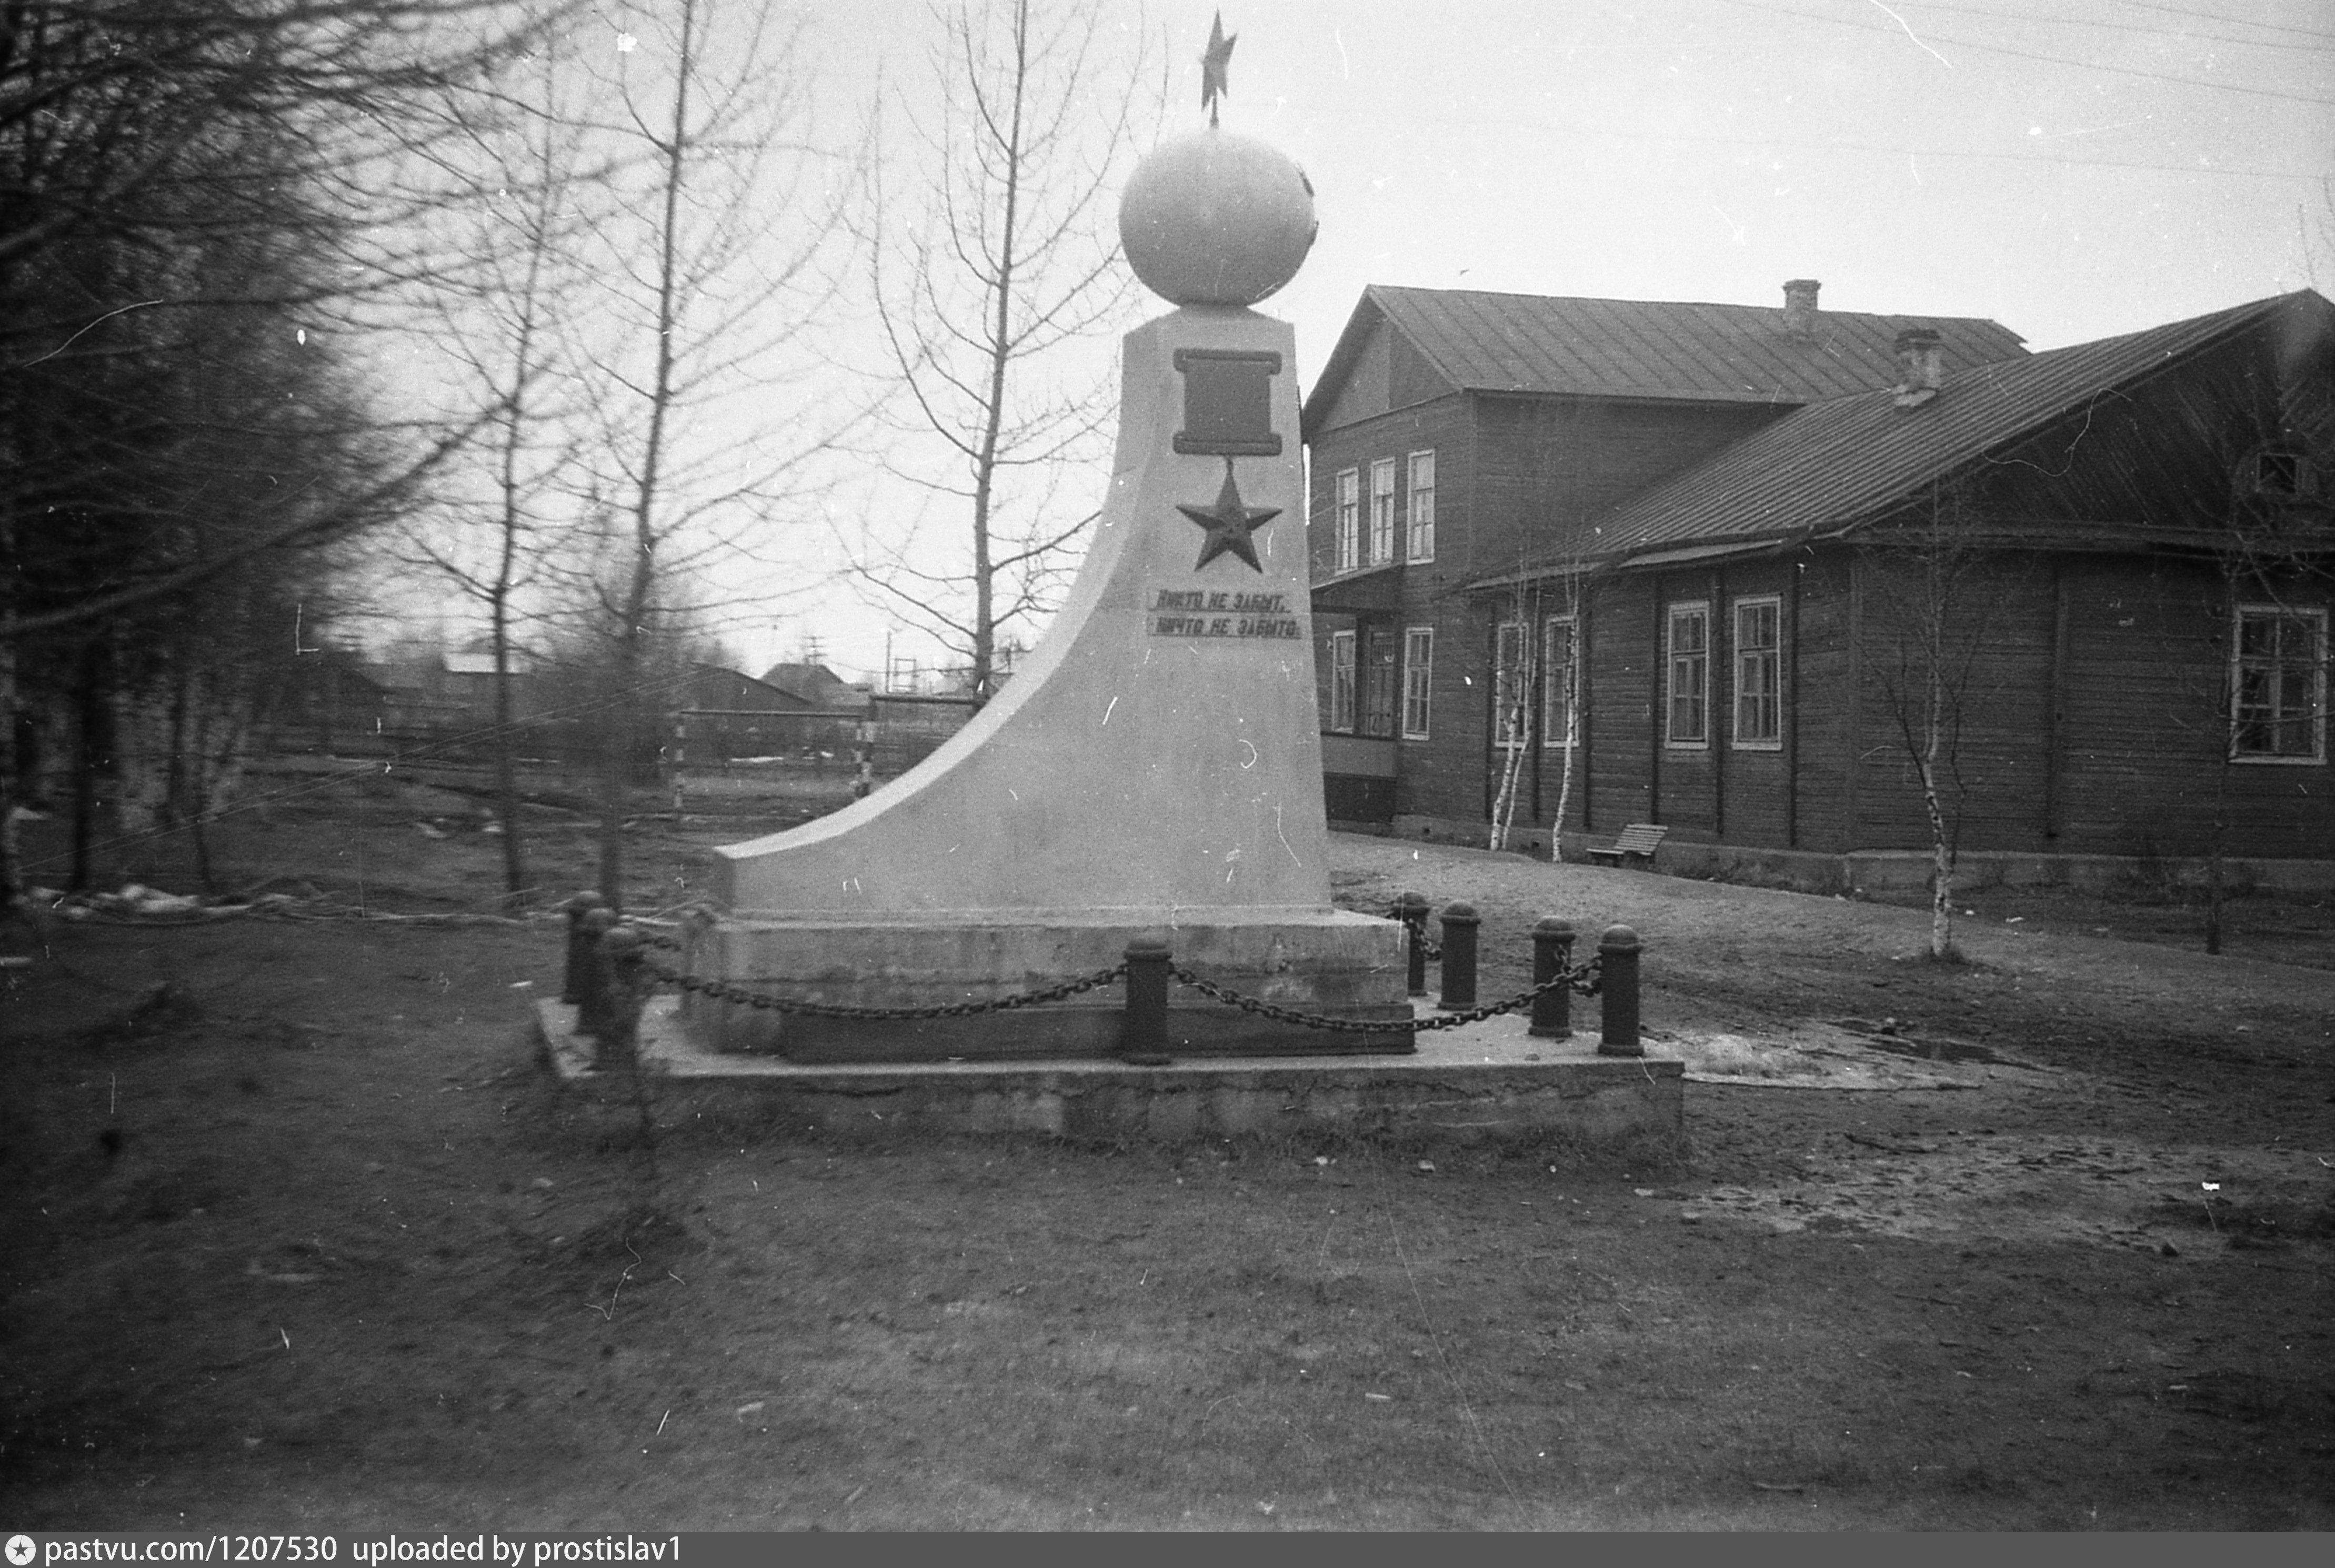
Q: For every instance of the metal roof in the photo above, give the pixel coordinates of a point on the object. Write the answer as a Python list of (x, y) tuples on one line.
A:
[(1534, 344), (1831, 465)]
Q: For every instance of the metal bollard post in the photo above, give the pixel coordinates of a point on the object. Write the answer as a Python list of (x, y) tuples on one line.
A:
[(1552, 1010), (592, 972), (1143, 1038), (571, 978), (1411, 910), (1459, 923), (620, 958), (1617, 956)]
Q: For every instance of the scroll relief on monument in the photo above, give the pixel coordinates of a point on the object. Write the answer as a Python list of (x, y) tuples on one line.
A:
[(1227, 412)]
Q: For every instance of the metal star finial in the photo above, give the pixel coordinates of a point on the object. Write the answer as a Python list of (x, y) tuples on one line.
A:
[(1215, 66), (1229, 524)]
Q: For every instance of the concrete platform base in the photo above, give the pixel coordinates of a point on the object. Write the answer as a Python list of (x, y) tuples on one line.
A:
[(1481, 1081)]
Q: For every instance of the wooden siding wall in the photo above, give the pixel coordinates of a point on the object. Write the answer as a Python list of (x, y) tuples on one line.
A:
[(1718, 791), (1444, 774), (2093, 717), (1546, 465), (1514, 476), (2165, 457), (1440, 426), (1389, 373), (2095, 720), (1439, 776), (1822, 725), (1623, 680), (2145, 725), (1995, 778), (2141, 725)]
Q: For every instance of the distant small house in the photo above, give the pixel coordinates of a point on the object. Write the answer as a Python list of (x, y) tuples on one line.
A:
[(907, 728), (726, 714), (818, 687), (331, 698)]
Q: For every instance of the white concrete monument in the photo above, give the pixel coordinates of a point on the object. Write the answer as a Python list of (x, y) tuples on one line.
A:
[(1153, 768)]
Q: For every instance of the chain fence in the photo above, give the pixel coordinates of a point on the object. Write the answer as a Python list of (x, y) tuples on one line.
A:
[(1584, 979), (762, 1000)]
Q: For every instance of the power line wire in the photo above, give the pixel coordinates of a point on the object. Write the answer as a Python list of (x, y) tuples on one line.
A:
[(1381, 116), (2231, 21), (2160, 32), (2029, 55)]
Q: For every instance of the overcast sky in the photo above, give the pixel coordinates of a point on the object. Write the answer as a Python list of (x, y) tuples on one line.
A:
[(2074, 170)]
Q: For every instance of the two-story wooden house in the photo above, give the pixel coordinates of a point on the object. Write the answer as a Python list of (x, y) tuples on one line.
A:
[(1456, 435)]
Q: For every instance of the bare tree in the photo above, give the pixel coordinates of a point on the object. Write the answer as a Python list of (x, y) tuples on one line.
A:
[(509, 338), (717, 253), (1515, 678), (1001, 255), (1561, 688), (172, 166), (2266, 654), (1934, 590)]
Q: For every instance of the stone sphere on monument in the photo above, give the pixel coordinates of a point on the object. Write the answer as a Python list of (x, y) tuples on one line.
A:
[(1217, 219)]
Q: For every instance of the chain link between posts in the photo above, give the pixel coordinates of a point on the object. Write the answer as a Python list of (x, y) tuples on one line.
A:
[(724, 991), (1587, 979)]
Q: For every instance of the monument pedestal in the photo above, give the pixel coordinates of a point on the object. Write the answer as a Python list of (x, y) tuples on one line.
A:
[(1152, 771), (1327, 962)]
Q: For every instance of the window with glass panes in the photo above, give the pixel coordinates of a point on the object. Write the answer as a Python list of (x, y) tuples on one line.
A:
[(1758, 672), (1558, 694), (1378, 681), (1417, 678), (2278, 698), (1381, 512), (1342, 681), (1349, 523), (1419, 542), (1689, 674)]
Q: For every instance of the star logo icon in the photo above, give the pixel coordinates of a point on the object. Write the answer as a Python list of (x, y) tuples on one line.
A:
[(1229, 524), (20, 1550)]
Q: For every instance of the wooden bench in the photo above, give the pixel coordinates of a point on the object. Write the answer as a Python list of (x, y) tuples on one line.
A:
[(1638, 840)]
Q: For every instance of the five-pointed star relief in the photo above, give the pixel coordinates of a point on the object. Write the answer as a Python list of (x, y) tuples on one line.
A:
[(1229, 524), (1216, 67)]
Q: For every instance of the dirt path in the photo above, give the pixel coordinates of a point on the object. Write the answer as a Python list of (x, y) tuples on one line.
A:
[(2060, 1087)]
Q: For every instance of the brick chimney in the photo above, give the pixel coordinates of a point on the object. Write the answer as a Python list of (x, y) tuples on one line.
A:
[(1921, 366), (1800, 308)]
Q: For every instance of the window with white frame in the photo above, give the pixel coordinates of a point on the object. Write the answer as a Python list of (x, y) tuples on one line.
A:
[(1342, 681), (1378, 681), (1759, 673), (1381, 512), (1350, 519), (1688, 661), (1511, 682), (2278, 685), (1418, 544), (1417, 678), (1559, 676)]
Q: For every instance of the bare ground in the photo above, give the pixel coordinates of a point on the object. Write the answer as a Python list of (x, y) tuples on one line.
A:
[(295, 1234)]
